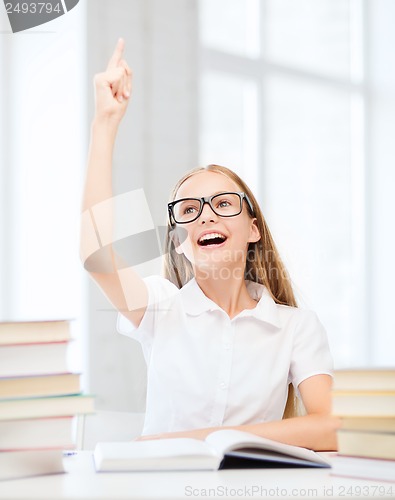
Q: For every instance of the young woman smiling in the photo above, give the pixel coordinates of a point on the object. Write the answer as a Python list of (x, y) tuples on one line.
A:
[(225, 344)]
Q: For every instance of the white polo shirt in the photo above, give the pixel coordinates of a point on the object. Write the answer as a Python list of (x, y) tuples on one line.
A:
[(207, 370)]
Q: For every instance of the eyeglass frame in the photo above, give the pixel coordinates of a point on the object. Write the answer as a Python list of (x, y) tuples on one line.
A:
[(207, 199)]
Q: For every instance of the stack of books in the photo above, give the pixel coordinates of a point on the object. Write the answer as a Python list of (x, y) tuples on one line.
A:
[(365, 401), (39, 398)]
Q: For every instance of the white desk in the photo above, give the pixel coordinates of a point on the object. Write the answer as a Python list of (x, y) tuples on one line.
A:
[(82, 482)]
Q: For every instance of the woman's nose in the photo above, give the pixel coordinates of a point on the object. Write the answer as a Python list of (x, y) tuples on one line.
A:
[(208, 214)]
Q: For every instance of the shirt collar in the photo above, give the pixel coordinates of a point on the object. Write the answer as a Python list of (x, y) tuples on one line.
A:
[(196, 302)]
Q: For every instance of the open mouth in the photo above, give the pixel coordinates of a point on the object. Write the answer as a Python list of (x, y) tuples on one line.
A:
[(211, 240)]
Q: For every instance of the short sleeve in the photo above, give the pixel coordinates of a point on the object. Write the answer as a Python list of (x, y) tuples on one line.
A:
[(310, 353), (160, 292)]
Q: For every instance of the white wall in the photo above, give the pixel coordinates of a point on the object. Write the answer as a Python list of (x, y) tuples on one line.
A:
[(156, 144)]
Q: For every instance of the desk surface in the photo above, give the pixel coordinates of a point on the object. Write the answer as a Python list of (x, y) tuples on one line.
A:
[(82, 482)]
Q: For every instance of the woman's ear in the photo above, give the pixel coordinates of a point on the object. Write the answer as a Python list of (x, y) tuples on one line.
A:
[(255, 235)]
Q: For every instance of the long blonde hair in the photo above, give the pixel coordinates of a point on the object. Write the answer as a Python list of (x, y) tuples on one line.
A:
[(263, 264)]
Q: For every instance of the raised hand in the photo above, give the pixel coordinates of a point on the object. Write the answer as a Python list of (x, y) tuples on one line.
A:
[(113, 86)]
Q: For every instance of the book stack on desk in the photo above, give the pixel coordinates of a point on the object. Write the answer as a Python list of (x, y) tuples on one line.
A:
[(39, 398), (365, 401)]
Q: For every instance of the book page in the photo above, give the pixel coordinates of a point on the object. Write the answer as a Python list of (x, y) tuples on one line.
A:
[(175, 453), (232, 440)]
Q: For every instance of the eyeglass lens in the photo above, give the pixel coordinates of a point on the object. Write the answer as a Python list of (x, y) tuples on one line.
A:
[(224, 205)]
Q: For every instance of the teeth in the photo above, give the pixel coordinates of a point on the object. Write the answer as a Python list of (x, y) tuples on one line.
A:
[(211, 236)]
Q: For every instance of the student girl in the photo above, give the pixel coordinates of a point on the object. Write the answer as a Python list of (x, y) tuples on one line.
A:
[(225, 344)]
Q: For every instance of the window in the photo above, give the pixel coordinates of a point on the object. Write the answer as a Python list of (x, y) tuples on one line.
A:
[(284, 102)]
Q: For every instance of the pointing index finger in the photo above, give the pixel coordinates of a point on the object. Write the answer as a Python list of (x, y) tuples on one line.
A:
[(117, 55)]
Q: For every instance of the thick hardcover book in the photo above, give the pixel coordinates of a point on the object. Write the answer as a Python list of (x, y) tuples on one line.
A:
[(369, 444), (58, 406), (364, 379), (27, 332), (363, 403), (34, 433), (33, 359), (361, 423), (220, 450), (55, 384), (19, 464)]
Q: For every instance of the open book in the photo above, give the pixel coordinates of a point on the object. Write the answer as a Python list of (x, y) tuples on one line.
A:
[(220, 450)]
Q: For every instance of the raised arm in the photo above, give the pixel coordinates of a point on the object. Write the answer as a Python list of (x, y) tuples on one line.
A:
[(112, 92)]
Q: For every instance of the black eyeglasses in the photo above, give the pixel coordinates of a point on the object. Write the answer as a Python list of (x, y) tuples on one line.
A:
[(226, 204)]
